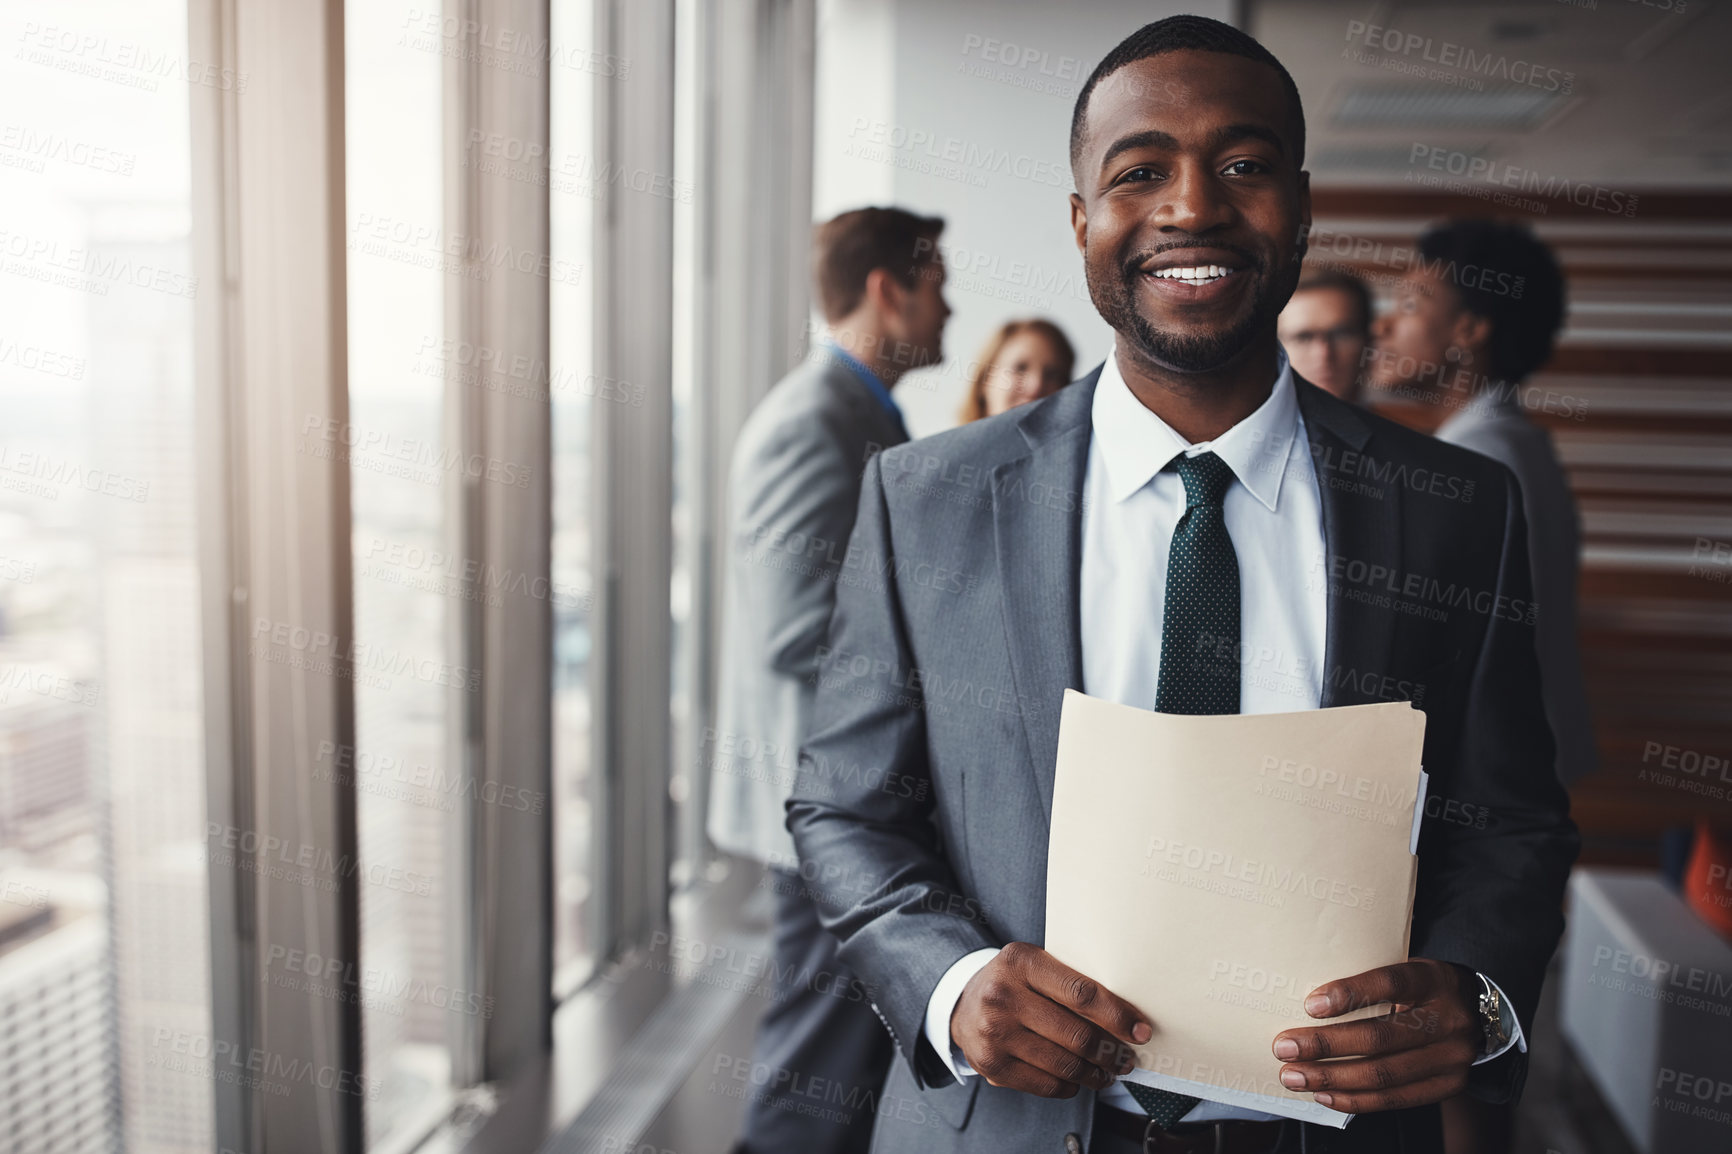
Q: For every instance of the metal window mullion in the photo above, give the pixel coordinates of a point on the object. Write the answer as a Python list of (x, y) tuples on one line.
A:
[(222, 567), (761, 210), (755, 245), (796, 43), (461, 530), (633, 451), (694, 165), (501, 735), (274, 549)]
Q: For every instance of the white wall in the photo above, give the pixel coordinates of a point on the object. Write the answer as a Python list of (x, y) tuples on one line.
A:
[(918, 106)]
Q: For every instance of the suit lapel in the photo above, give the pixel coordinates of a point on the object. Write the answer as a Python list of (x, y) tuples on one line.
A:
[(1037, 505), (1362, 544)]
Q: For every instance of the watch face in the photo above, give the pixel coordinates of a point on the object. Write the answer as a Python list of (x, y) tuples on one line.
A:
[(1494, 1016)]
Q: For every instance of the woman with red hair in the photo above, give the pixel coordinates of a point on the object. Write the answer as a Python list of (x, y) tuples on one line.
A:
[(1023, 361)]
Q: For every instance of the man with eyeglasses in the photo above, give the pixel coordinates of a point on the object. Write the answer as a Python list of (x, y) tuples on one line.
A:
[(1325, 329)]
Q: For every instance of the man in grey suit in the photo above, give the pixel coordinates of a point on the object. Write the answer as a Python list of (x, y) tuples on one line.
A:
[(1191, 528), (793, 489), (1467, 340)]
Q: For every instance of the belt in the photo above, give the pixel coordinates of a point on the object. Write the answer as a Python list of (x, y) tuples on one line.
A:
[(1190, 1138)]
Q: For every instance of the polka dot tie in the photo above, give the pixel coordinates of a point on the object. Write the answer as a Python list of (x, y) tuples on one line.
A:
[(1200, 625), (1199, 647), (1164, 1106)]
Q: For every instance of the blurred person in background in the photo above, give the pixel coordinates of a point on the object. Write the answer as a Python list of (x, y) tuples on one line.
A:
[(1325, 328), (1477, 315), (1022, 361), (793, 488)]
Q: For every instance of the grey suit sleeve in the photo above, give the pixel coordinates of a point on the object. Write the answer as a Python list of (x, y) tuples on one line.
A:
[(862, 806), (1491, 899), (794, 506)]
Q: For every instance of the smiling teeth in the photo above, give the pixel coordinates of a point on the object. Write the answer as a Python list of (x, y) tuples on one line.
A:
[(1199, 274)]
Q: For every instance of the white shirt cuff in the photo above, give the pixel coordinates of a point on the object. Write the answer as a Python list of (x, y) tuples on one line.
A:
[(943, 1002), (1516, 1038)]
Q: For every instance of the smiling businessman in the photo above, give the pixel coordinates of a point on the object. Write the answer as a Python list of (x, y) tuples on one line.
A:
[(1191, 528)]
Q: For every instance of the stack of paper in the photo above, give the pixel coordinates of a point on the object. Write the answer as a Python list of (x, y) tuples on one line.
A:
[(1215, 870)]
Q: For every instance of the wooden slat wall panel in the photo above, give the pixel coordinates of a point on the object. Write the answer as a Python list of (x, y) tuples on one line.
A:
[(1646, 364)]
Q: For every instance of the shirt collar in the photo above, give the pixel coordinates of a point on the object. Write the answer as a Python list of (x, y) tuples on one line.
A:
[(1135, 444), (879, 390)]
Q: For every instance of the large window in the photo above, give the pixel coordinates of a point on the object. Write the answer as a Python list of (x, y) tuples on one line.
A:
[(104, 971), (377, 509), (576, 182), (407, 577)]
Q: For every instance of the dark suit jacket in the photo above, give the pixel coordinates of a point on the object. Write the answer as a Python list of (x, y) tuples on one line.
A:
[(924, 797)]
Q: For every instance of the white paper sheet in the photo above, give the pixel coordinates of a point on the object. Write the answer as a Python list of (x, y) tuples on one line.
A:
[(1215, 870)]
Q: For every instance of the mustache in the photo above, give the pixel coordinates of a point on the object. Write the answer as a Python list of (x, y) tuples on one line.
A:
[(1136, 264)]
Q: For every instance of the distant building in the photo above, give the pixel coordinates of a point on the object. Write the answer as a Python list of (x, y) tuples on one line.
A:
[(149, 753), (56, 1025), (43, 763)]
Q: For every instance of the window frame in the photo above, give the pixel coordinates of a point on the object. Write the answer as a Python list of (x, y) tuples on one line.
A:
[(270, 236), (271, 350)]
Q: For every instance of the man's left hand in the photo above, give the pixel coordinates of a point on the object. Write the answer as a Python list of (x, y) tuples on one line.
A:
[(1420, 1052)]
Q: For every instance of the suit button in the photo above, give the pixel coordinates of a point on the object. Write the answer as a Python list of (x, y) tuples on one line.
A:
[(1072, 1144)]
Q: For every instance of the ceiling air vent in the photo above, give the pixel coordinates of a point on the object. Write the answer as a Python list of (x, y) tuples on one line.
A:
[(1501, 109), (1334, 157)]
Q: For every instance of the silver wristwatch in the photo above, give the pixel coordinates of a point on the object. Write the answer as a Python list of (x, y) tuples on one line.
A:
[(1495, 1016)]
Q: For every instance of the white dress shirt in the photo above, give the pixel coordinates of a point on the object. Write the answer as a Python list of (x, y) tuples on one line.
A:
[(1274, 514)]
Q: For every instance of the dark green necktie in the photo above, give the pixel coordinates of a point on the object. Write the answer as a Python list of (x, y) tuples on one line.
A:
[(1199, 647), (1200, 624)]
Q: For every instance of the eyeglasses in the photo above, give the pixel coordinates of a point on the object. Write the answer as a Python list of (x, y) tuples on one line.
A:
[(1342, 335)]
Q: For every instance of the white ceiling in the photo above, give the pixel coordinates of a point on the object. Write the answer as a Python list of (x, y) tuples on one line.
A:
[(1649, 102)]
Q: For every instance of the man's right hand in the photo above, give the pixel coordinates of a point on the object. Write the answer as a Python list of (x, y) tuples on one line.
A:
[(1029, 1022)]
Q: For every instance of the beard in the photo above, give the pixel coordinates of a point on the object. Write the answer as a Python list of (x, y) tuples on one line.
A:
[(1114, 292)]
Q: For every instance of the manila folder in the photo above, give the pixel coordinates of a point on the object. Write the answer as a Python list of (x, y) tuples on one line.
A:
[(1214, 870)]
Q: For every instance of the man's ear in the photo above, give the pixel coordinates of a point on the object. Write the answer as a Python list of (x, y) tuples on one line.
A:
[(882, 292), (1079, 222)]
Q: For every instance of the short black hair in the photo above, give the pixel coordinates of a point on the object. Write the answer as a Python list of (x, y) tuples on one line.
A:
[(1335, 280), (1178, 34), (1515, 284)]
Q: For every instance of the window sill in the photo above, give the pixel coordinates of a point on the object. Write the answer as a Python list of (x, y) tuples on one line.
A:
[(594, 1026)]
